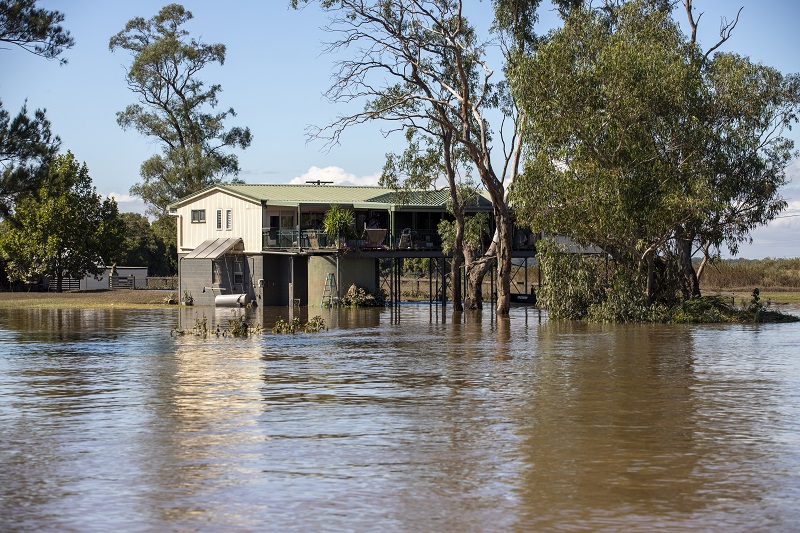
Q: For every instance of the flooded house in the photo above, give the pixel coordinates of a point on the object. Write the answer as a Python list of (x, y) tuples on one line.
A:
[(266, 244)]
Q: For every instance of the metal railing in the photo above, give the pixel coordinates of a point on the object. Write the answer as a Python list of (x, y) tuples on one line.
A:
[(406, 239), (287, 239)]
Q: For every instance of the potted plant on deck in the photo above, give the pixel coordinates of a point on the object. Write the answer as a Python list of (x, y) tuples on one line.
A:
[(338, 223)]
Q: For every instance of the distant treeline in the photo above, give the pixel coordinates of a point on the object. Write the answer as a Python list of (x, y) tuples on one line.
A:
[(775, 274)]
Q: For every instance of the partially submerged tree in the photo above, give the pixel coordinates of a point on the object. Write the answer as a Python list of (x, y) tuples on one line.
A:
[(65, 229), (418, 168), (176, 108), (642, 144), (419, 64)]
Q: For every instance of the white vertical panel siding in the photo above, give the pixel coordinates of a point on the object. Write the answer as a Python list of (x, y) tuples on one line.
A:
[(245, 224)]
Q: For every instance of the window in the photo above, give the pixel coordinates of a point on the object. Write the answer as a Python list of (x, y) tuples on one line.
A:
[(219, 219), (198, 216), (228, 219)]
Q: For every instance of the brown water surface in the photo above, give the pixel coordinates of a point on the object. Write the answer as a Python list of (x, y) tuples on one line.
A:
[(395, 420)]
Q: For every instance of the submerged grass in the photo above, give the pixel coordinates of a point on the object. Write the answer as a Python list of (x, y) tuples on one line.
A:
[(719, 309)]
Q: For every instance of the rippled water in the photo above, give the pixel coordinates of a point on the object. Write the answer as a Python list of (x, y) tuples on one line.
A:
[(395, 421)]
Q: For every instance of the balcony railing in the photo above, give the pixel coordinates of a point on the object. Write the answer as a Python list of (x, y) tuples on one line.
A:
[(370, 239)]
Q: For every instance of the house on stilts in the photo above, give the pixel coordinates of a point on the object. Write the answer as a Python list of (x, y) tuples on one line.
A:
[(266, 244)]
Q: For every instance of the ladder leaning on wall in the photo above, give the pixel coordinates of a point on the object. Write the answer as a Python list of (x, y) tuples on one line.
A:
[(328, 298)]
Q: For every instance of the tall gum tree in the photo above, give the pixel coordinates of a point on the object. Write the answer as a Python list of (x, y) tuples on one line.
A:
[(644, 145), (429, 156), (176, 108), (419, 63)]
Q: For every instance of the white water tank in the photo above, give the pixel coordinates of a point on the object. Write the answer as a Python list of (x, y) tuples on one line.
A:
[(232, 300)]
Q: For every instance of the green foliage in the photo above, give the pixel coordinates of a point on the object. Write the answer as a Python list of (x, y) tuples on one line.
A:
[(417, 266), (571, 283), (707, 310), (642, 146), (33, 29), (475, 229), (238, 327), (26, 149), (580, 287), (624, 300), (66, 229), (26, 144), (164, 230), (359, 297), (142, 246), (281, 326), (200, 326), (338, 223), (314, 325), (176, 108)]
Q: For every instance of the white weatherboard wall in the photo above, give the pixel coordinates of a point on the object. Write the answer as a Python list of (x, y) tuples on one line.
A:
[(246, 221)]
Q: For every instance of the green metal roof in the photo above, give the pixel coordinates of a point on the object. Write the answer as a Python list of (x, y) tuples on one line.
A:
[(332, 194)]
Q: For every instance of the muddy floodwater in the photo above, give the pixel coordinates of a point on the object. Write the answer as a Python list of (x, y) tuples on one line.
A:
[(395, 420)]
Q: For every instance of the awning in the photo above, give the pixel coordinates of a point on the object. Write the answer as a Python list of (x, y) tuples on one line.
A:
[(216, 248)]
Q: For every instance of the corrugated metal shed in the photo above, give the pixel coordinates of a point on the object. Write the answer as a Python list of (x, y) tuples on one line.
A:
[(215, 248)]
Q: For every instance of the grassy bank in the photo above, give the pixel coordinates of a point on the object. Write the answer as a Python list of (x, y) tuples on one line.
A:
[(98, 299)]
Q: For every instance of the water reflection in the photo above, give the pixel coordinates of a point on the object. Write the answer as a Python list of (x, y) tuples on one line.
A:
[(397, 419)]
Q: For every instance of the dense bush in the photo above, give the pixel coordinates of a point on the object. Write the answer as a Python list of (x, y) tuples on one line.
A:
[(571, 283), (581, 287)]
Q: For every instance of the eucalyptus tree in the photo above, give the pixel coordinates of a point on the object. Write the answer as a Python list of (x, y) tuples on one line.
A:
[(420, 64), (428, 156), (747, 110), (176, 108), (26, 143), (643, 144)]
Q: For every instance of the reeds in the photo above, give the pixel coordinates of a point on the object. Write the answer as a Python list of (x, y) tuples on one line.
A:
[(770, 274)]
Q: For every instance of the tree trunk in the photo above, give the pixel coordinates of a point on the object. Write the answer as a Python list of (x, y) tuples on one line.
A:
[(455, 264), (458, 212), (690, 285), (475, 271), (503, 242), (651, 275), (704, 263)]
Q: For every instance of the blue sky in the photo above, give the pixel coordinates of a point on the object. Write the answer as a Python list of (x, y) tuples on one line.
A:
[(274, 76)]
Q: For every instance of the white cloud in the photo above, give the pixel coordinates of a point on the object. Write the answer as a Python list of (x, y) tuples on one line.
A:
[(122, 197), (336, 175), (127, 203)]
